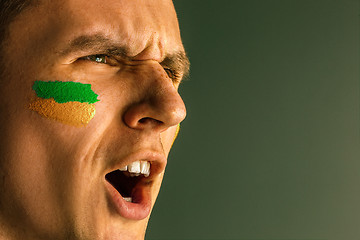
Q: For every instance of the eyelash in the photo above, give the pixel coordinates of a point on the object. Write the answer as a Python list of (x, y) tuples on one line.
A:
[(94, 58), (172, 74)]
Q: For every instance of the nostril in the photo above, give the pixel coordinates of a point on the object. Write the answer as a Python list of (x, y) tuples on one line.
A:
[(160, 114), (148, 120), (144, 120)]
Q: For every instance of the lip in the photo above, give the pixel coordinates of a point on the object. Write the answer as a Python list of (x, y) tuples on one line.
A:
[(136, 210), (141, 204)]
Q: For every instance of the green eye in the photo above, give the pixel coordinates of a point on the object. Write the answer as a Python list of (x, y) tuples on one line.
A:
[(99, 58)]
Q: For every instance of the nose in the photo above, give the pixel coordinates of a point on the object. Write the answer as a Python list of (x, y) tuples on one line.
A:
[(158, 105)]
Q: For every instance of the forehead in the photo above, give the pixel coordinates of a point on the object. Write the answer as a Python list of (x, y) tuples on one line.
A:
[(134, 24)]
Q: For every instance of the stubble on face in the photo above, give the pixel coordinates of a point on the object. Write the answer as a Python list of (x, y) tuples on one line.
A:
[(53, 175)]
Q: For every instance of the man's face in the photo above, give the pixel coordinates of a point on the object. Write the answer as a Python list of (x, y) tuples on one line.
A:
[(55, 177)]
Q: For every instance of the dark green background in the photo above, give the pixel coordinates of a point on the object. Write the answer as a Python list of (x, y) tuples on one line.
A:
[(270, 148)]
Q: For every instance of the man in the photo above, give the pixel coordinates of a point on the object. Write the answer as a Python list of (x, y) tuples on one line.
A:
[(89, 111)]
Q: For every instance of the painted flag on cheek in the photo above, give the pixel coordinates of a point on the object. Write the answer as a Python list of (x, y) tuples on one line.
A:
[(67, 102)]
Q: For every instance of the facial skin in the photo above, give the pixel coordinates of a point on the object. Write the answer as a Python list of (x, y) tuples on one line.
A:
[(52, 175)]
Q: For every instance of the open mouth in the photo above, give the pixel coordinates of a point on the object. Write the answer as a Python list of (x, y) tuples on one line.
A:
[(129, 190), (128, 179)]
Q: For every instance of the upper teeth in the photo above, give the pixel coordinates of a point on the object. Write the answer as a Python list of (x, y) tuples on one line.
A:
[(137, 168)]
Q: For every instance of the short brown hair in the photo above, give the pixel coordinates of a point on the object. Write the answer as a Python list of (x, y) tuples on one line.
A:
[(9, 9)]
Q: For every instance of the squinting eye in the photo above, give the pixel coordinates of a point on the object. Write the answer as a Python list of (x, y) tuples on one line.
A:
[(99, 58), (170, 73), (173, 75)]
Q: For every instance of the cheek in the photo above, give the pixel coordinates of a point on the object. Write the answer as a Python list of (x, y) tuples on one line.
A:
[(70, 103)]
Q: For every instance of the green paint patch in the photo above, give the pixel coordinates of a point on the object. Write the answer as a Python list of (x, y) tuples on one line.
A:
[(64, 92)]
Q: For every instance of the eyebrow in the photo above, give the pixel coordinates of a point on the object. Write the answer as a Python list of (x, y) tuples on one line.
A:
[(179, 62), (98, 43), (94, 43)]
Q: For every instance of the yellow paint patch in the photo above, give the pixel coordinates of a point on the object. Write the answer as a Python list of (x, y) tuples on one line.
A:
[(176, 133), (72, 113)]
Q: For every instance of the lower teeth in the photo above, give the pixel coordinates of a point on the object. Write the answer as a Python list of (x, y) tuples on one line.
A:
[(128, 199)]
